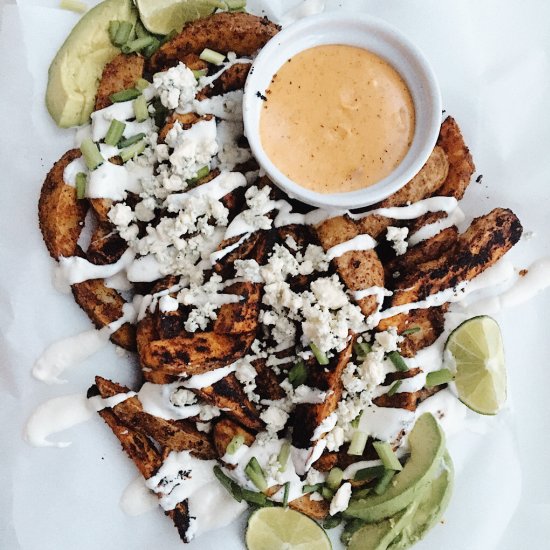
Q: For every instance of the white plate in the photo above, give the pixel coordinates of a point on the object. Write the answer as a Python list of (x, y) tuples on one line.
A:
[(492, 60)]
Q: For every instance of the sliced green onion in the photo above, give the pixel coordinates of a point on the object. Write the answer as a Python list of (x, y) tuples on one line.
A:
[(80, 184), (140, 108), (398, 361), (362, 349), (285, 494), (115, 131), (355, 422), (332, 521), (395, 386), (132, 151), (130, 141), (297, 375), (210, 56), (152, 48), (73, 5), (312, 488), (198, 73), (255, 473), (141, 31), (384, 481), (327, 493), (321, 356), (334, 478), (233, 5), (141, 84), (387, 456), (411, 330), (369, 473), (284, 453), (259, 499), (362, 493), (91, 154), (137, 45), (113, 28), (438, 377), (201, 173), (123, 33), (161, 112), (232, 488), (234, 444), (125, 95), (358, 442), (350, 528)]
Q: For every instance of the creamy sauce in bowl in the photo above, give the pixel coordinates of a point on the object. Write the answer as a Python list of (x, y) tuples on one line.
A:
[(337, 118)]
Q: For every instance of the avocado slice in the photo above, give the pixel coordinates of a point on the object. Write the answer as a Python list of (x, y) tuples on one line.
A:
[(410, 525), (427, 442), (430, 508), (75, 72)]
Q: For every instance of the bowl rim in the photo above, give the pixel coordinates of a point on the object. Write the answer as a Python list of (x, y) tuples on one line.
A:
[(427, 87)]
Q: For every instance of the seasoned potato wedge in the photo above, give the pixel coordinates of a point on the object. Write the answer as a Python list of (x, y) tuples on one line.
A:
[(241, 33), (240, 317), (225, 430), (232, 79), (106, 246), (406, 400)]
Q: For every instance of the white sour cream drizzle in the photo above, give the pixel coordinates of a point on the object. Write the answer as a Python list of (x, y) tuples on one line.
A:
[(412, 211), (61, 413), (137, 499), (206, 379), (72, 169), (432, 229), (378, 291), (361, 242), (155, 400)]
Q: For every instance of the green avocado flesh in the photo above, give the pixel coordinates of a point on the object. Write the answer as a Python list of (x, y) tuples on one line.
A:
[(75, 72), (407, 527), (427, 443)]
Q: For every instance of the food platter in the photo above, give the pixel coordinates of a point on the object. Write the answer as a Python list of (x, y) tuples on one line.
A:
[(500, 156)]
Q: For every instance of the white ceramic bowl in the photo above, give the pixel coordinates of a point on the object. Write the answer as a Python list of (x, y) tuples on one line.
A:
[(380, 38)]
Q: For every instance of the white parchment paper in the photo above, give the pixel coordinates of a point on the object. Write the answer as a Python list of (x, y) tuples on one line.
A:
[(492, 58)]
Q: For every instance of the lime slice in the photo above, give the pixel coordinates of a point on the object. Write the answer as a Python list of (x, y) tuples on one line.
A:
[(284, 529), (165, 16), (478, 353)]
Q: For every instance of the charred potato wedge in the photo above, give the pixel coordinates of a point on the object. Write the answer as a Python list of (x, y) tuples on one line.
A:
[(106, 246), (231, 79), (224, 431), (240, 317)]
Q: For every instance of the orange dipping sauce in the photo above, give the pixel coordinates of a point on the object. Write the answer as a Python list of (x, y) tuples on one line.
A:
[(337, 119)]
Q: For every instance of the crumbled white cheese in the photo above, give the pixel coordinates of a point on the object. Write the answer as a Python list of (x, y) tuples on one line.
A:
[(315, 476), (208, 412), (398, 237), (274, 418), (176, 87), (340, 500), (388, 340), (305, 394), (167, 304), (329, 292), (181, 397)]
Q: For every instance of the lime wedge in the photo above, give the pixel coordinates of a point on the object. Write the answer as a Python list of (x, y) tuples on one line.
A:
[(284, 529), (165, 16), (477, 350)]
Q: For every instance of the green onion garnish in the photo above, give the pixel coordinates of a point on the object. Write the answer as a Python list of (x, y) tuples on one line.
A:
[(285, 494), (362, 349), (321, 356), (334, 478), (80, 184), (233, 5), (140, 109), (132, 151), (358, 442), (232, 488), (259, 499), (312, 488), (387, 456), (141, 84), (124, 95), (113, 28), (355, 422), (73, 5), (362, 493), (255, 473), (234, 444), (152, 48), (332, 521), (123, 33), (438, 377), (130, 141), (201, 173), (327, 493), (411, 330), (369, 473), (395, 386), (200, 73), (141, 31), (297, 375), (210, 56), (137, 45), (91, 154), (384, 482), (284, 453), (398, 361), (115, 131)]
